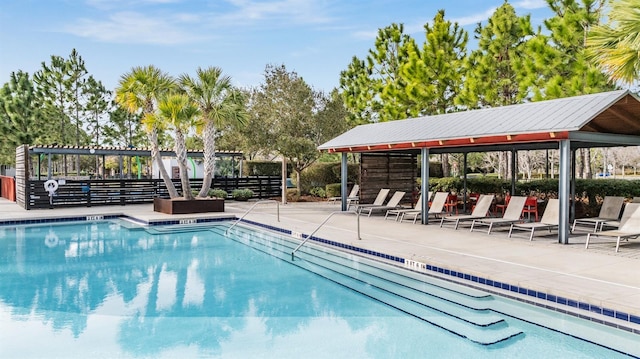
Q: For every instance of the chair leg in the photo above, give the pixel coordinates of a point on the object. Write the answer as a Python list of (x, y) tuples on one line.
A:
[(531, 236), (490, 226), (573, 228), (510, 230), (441, 222), (618, 244), (588, 238), (472, 224), (457, 222)]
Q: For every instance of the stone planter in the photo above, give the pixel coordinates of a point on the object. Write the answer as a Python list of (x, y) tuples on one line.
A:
[(182, 206)]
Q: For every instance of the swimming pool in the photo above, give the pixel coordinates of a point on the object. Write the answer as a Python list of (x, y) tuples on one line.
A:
[(99, 289)]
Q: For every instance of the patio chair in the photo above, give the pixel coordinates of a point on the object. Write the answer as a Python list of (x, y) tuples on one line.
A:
[(401, 211), (351, 199), (379, 201), (550, 219), (436, 208), (480, 211), (393, 203), (629, 226), (512, 214), (531, 206), (502, 206), (610, 211)]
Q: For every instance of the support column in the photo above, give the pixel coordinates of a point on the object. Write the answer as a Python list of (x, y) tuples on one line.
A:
[(572, 210), (424, 186), (563, 191), (49, 166), (284, 180), (464, 182), (514, 174), (343, 181)]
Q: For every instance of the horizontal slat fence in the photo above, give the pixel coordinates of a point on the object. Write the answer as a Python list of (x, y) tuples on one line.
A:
[(74, 193)]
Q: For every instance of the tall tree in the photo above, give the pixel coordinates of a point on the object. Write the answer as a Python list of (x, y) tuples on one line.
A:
[(178, 112), (21, 120), (219, 103), (491, 77), (368, 86), (138, 91), (556, 65), (432, 75), (615, 46), (75, 84), (490, 70), (294, 118), (96, 107)]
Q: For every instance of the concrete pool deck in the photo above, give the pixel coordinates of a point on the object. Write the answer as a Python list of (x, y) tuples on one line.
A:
[(598, 276)]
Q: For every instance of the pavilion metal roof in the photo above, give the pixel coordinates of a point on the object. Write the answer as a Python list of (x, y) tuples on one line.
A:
[(581, 118)]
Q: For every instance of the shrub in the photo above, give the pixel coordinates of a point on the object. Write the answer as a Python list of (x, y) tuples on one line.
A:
[(293, 195), (333, 189), (241, 194), (264, 168), (318, 192), (217, 193)]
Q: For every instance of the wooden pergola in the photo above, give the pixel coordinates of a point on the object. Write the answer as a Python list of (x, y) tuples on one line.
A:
[(599, 120)]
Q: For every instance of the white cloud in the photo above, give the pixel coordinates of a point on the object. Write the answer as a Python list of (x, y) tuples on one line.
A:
[(530, 4), (285, 11), (474, 18), (133, 27)]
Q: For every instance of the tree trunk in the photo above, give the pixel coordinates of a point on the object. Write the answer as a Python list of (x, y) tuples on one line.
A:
[(209, 139), (181, 156), (587, 164), (298, 184), (155, 155), (446, 170)]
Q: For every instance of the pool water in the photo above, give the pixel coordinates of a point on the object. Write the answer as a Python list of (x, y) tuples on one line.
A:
[(98, 289)]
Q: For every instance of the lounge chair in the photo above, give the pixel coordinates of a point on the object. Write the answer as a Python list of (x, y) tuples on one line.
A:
[(351, 199), (610, 211), (436, 208), (549, 220), (379, 201), (393, 203), (629, 226), (512, 214), (401, 211), (480, 211)]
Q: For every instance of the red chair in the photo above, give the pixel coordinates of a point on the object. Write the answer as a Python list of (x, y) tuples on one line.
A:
[(502, 207), (531, 206), (451, 204)]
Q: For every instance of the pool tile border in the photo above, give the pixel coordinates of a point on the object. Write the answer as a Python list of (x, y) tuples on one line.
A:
[(539, 295), (572, 304)]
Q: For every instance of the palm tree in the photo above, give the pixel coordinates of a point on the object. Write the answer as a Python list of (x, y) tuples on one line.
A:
[(138, 92), (615, 46), (219, 102), (179, 112)]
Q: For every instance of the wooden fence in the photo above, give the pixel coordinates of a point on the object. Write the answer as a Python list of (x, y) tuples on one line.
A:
[(74, 193)]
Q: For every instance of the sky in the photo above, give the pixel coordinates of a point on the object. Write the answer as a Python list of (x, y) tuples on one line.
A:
[(315, 38)]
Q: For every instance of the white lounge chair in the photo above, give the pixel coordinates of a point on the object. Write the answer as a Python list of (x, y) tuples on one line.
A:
[(351, 199), (393, 203), (512, 214), (629, 226), (480, 211), (610, 211), (379, 201), (436, 208), (402, 211), (550, 219)]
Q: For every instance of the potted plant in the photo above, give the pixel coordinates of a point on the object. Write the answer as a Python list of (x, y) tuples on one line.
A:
[(217, 193)]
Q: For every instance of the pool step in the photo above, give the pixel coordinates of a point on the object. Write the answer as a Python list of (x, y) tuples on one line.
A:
[(462, 312)]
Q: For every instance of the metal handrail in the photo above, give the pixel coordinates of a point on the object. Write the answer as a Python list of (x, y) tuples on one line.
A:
[(322, 224), (251, 208)]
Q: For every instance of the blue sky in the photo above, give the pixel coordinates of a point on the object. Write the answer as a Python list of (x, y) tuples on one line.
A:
[(315, 38)]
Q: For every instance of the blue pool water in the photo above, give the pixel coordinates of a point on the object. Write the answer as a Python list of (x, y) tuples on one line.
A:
[(97, 289)]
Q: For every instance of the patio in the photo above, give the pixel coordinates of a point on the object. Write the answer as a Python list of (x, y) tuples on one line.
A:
[(597, 276)]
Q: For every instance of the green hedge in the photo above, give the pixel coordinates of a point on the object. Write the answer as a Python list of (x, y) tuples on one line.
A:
[(324, 173), (264, 168)]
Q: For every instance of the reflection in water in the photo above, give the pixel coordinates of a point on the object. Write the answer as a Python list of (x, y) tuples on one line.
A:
[(98, 290), (162, 293)]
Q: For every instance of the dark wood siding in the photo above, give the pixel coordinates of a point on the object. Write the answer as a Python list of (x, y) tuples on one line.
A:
[(396, 171)]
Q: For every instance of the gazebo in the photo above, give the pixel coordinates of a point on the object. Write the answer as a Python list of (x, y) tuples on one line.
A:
[(599, 120)]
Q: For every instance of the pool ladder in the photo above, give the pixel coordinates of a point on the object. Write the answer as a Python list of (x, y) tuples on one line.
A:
[(251, 208), (322, 224)]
